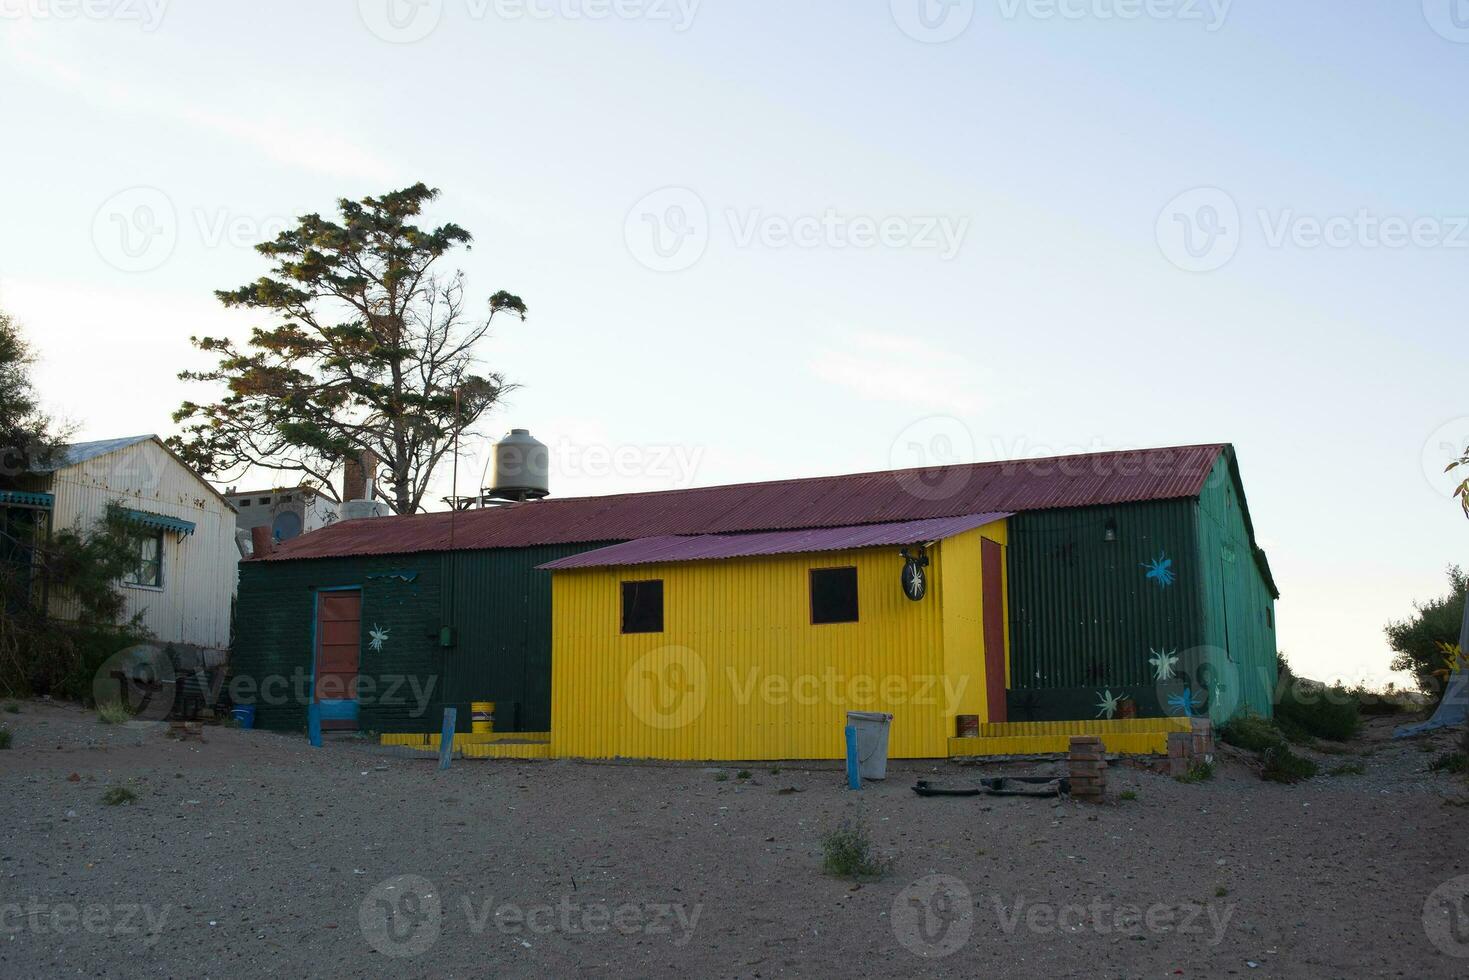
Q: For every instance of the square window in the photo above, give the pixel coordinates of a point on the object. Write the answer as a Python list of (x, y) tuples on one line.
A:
[(833, 595), (149, 570), (642, 606)]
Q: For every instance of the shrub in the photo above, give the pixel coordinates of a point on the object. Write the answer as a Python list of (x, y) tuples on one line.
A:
[(1281, 765), (118, 796), (1308, 710), (1347, 769), (1199, 772), (1416, 640), (1450, 762), (1249, 731), (1127, 794), (743, 774), (4, 738), (12, 708), (113, 713), (847, 853)]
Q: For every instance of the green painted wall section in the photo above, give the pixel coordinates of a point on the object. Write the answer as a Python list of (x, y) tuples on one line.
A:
[(1085, 616), (497, 603), (1238, 603)]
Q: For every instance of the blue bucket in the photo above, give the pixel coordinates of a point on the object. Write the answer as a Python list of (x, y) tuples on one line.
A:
[(245, 715)]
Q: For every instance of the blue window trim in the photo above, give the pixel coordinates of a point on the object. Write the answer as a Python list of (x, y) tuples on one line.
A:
[(25, 498), (160, 521)]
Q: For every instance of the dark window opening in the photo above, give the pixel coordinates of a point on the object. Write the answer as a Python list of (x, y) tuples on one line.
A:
[(833, 595), (642, 606), (1269, 618), (149, 569)]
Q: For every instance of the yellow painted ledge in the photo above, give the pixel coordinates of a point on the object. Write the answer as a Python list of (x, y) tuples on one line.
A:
[(1098, 726), (418, 740), (1120, 743)]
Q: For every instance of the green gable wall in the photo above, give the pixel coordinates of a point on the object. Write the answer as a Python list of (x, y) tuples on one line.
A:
[(1084, 616), (1238, 601), (497, 603)]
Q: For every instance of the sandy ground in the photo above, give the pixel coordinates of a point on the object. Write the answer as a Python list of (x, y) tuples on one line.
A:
[(253, 854)]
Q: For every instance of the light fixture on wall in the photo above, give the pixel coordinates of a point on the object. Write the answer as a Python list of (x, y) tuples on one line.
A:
[(1109, 531)]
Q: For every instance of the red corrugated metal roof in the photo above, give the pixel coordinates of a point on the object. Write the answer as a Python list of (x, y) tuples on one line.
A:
[(831, 501), (702, 547)]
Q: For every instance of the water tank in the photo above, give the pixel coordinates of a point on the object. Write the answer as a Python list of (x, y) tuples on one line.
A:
[(522, 467), (355, 510)]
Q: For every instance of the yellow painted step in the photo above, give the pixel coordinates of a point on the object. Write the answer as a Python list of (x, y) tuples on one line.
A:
[(1099, 726), (1120, 743)]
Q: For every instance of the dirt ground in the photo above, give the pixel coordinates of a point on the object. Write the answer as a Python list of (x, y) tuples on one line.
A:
[(253, 854)]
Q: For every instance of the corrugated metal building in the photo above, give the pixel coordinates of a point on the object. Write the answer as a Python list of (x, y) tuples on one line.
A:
[(1133, 578), (186, 577)]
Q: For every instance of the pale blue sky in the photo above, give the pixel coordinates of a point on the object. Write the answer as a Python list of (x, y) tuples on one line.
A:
[(1053, 143)]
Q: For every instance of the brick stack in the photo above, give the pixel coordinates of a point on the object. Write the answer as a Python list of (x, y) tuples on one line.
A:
[(1203, 740), (1088, 764), (1180, 753)]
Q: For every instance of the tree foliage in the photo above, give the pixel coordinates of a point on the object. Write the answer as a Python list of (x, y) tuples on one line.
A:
[(1416, 640), (371, 349), (28, 437)]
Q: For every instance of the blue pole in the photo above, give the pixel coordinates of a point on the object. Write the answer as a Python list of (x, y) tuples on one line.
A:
[(446, 738), (313, 724), (854, 775)]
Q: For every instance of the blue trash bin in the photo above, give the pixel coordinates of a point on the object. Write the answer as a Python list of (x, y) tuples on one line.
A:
[(244, 714)]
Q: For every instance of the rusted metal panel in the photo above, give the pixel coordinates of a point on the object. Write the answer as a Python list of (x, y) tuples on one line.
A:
[(863, 498), (704, 547)]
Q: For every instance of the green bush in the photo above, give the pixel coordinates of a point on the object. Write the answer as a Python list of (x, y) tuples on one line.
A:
[(1199, 772), (1281, 765), (1450, 762), (1249, 731), (118, 796), (1347, 769), (1307, 710), (847, 853), (4, 738), (1415, 641), (113, 713)]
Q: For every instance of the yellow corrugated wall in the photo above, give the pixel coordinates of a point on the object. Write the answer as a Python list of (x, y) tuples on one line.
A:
[(740, 672)]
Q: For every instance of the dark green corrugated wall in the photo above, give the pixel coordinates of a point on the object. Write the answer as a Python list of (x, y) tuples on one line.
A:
[(1238, 603), (1085, 616), (497, 602)]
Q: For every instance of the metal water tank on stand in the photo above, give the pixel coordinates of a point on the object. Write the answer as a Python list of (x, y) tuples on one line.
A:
[(521, 468)]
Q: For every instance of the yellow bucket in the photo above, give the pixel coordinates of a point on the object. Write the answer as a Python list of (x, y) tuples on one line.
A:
[(482, 716)]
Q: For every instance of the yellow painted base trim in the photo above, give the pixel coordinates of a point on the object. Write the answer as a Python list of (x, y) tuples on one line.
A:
[(464, 738), (1120, 743), (1096, 726), (523, 750)]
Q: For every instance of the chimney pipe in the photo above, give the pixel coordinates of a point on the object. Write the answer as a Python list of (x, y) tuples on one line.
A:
[(262, 542), (359, 473)]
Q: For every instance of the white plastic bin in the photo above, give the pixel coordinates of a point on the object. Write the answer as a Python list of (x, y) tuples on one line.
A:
[(872, 742)]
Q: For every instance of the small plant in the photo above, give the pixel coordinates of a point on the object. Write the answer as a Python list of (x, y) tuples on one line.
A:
[(1250, 731), (113, 713), (1199, 772), (12, 708), (4, 738), (1284, 766), (1450, 762), (119, 796), (1347, 769), (1127, 794), (743, 774), (775, 770), (1220, 892), (847, 853), (721, 777)]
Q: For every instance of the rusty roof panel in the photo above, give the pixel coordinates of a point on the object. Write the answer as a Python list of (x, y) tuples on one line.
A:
[(833, 501), (703, 547)]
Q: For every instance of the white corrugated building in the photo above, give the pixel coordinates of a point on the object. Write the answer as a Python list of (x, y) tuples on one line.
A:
[(187, 565)]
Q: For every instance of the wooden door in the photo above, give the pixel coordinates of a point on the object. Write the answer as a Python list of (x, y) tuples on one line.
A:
[(992, 574), (338, 656)]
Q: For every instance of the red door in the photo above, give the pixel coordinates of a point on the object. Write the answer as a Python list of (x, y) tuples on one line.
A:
[(992, 572), (338, 653)]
